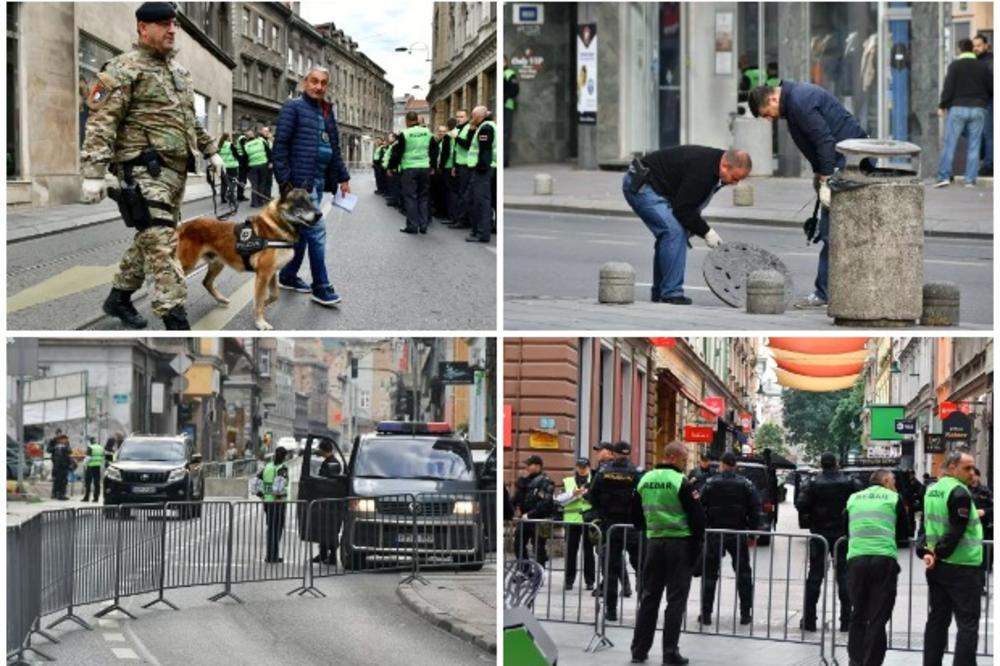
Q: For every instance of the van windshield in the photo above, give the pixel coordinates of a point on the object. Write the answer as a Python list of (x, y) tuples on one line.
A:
[(404, 458)]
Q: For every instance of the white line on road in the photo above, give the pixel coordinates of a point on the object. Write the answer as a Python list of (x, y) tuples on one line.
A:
[(107, 624), (535, 236), (491, 248), (113, 637), (125, 653)]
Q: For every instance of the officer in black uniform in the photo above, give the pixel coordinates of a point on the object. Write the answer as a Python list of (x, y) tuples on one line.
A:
[(611, 494), (533, 498), (731, 502), (821, 506), (329, 469), (702, 473)]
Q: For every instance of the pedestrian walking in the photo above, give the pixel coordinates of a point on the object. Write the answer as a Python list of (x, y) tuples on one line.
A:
[(273, 491), (307, 156), (668, 189), (981, 45), (267, 178), (328, 469), (951, 545), (577, 534), (876, 522), (533, 500), (674, 525), (731, 502), (92, 470), (511, 89), (142, 126), (965, 95), (821, 506), (817, 121), (411, 158), (482, 164)]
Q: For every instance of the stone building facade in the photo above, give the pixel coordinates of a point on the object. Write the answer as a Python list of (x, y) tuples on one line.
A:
[(463, 58)]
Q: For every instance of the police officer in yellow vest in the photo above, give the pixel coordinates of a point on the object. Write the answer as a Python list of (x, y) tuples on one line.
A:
[(274, 492), (463, 139), (576, 485), (511, 89), (482, 162), (258, 156), (228, 155), (412, 159), (951, 545), (876, 521), (675, 524), (92, 471)]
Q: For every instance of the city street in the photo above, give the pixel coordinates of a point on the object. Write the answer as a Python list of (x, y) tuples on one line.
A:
[(387, 280), (552, 260)]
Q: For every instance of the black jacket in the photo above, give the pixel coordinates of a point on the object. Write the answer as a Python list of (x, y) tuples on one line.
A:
[(731, 502), (612, 492), (969, 82), (687, 177), (821, 504), (487, 144), (699, 477), (534, 494), (817, 121)]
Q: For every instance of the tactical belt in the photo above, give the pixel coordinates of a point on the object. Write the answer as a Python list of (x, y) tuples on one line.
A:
[(248, 243)]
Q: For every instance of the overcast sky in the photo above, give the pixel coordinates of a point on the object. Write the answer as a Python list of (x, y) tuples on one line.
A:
[(379, 26)]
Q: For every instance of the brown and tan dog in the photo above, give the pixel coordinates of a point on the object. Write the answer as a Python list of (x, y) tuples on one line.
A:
[(215, 240)]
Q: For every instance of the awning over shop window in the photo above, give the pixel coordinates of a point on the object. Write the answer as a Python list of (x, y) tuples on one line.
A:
[(682, 388)]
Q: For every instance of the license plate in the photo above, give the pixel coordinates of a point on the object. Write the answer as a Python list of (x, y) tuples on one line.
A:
[(420, 538), (144, 490)]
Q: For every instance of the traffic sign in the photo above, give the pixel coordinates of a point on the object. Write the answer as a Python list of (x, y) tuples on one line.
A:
[(181, 363)]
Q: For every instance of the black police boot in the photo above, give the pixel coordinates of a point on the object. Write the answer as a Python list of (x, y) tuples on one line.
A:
[(176, 319), (675, 658), (118, 304)]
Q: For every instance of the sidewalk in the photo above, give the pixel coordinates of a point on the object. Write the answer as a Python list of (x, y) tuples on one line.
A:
[(38, 500), (463, 604), (949, 212), (28, 223)]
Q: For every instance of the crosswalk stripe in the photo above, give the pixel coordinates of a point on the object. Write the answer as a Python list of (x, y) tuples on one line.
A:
[(125, 653), (217, 318), (70, 281)]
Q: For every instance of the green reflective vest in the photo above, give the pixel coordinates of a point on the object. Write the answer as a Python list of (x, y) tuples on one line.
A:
[(227, 155), (267, 477), (416, 147), (95, 455), (659, 490), (461, 154), (256, 152), (473, 156), (871, 522), (387, 155), (508, 74), (774, 82), (969, 551), (573, 512), (754, 76)]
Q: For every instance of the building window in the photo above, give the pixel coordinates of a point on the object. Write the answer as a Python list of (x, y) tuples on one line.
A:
[(309, 64), (275, 38), (246, 78), (260, 81), (260, 29), (626, 373), (301, 73), (201, 106), (265, 363), (291, 59), (364, 399), (220, 110), (246, 22), (607, 393), (585, 363)]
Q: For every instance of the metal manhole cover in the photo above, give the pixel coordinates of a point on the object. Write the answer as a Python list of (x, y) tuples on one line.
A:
[(727, 267)]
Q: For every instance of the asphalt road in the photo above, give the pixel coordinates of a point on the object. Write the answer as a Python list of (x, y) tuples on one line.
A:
[(560, 255), (388, 280)]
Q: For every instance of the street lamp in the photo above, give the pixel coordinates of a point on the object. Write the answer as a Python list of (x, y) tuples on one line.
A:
[(409, 49)]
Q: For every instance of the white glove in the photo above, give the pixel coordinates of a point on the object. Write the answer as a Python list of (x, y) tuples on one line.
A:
[(824, 194), (94, 189), (712, 239), (216, 163)]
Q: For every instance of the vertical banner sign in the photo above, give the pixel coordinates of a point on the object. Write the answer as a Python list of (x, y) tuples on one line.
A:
[(508, 427), (586, 73), (723, 43)]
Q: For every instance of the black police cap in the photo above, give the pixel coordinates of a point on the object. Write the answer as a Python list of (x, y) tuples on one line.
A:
[(151, 12), (623, 448), (533, 460), (580, 462)]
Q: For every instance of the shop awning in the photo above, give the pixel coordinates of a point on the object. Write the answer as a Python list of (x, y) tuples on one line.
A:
[(683, 389)]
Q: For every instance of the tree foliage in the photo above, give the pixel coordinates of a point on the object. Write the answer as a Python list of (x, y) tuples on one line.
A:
[(771, 436), (845, 427), (808, 416)]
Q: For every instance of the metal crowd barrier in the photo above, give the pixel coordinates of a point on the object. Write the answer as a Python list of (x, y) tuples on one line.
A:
[(230, 469), (911, 617), (60, 560)]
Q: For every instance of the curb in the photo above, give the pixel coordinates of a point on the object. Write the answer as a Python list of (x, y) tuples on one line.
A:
[(615, 212), (463, 630)]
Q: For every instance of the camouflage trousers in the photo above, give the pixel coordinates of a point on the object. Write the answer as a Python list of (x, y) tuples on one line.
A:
[(153, 251)]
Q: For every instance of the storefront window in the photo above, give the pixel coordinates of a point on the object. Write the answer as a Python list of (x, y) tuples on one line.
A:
[(669, 82)]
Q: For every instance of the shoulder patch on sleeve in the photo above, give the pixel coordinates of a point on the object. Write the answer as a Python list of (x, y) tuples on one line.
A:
[(483, 137)]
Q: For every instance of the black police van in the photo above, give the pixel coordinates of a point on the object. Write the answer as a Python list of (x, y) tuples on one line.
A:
[(413, 489), (153, 469)]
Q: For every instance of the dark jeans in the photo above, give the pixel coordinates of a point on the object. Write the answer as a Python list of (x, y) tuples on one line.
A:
[(92, 477), (668, 565), (952, 589), (575, 534), (417, 197), (817, 568), (60, 479), (527, 535), (463, 208), (379, 178), (312, 239), (481, 217), (871, 583), (439, 203), (670, 246), (736, 546), (274, 514), (396, 190)]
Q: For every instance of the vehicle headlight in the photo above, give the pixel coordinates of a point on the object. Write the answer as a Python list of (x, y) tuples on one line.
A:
[(465, 507), (176, 475), (113, 473), (362, 505)]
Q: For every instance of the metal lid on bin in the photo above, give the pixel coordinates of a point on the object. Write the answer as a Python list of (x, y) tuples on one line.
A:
[(878, 148)]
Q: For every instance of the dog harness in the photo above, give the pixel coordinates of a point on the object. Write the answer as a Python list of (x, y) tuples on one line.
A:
[(248, 243)]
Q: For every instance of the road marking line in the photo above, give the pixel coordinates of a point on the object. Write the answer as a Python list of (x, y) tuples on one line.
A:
[(491, 248), (612, 242), (71, 281), (218, 317), (114, 637), (535, 236), (107, 624), (125, 653), (686, 287)]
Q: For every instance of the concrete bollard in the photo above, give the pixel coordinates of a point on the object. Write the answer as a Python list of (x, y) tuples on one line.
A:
[(616, 283), (543, 184), (765, 292), (941, 304), (743, 194)]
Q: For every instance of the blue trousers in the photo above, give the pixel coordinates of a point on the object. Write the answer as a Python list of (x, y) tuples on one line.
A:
[(670, 249), (313, 240)]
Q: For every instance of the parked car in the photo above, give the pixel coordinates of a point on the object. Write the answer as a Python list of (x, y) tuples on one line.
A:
[(12, 460), (156, 468)]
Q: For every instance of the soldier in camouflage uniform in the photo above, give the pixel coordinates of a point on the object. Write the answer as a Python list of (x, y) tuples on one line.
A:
[(144, 99)]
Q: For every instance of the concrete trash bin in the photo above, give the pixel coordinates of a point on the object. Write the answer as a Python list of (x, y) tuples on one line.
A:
[(616, 283), (876, 238)]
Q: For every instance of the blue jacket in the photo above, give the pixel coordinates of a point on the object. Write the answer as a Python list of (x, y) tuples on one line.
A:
[(817, 121), (295, 150)]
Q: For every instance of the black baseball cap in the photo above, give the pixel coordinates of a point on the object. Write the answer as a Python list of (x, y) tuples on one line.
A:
[(580, 462), (533, 460), (623, 447)]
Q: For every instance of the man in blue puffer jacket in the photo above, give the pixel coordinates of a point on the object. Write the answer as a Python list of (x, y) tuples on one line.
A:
[(817, 121), (306, 155)]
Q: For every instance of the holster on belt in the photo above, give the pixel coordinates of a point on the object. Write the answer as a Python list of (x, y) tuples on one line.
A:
[(639, 173)]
